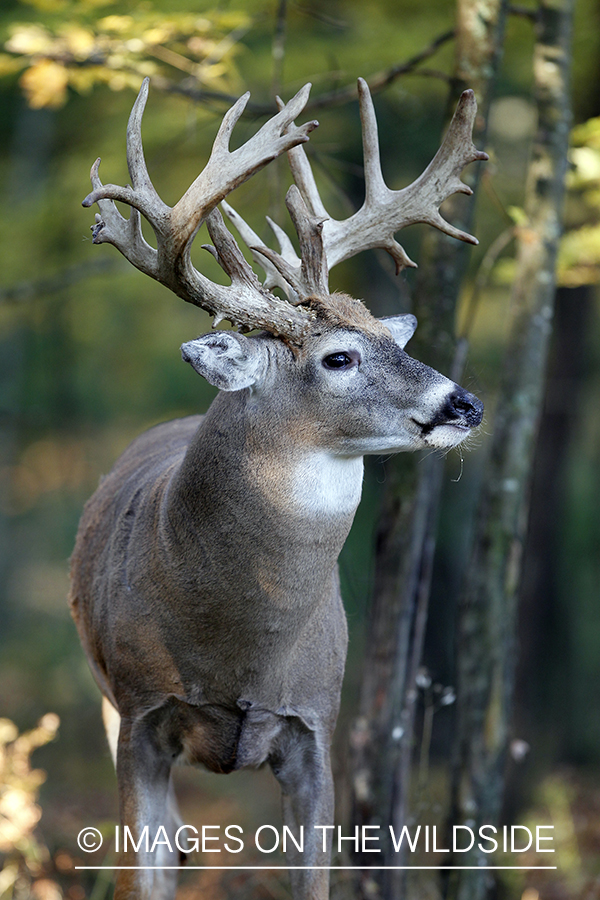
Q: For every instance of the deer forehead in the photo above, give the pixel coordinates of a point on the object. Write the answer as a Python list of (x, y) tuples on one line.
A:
[(341, 312), (378, 360), (343, 323)]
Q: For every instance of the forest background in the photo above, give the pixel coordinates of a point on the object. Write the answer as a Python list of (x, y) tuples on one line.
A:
[(89, 358)]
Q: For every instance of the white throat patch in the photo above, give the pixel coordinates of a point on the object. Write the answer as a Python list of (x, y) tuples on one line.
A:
[(327, 485)]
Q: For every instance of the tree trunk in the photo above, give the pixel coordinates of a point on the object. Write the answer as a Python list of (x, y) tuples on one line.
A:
[(542, 637), (382, 738), (487, 614)]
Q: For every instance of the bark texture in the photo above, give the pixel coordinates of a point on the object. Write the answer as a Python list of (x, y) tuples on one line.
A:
[(382, 738), (488, 608)]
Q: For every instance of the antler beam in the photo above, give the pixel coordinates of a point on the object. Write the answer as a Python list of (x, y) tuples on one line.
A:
[(245, 302)]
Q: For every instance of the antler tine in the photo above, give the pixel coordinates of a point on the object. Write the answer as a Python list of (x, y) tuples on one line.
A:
[(226, 170), (257, 246), (375, 187), (286, 248), (384, 211), (230, 120), (303, 176), (309, 227), (111, 227), (442, 175), (310, 278), (136, 162), (142, 196)]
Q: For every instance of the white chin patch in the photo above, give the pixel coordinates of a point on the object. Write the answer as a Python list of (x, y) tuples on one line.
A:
[(444, 436)]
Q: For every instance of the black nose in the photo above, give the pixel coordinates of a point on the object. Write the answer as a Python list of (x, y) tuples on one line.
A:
[(466, 406)]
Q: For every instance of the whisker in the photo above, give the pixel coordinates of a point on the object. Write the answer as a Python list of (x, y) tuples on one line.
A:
[(462, 464)]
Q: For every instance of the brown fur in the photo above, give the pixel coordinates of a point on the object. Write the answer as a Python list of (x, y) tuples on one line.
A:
[(340, 310)]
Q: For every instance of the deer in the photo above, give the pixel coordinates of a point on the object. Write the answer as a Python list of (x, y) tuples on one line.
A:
[(204, 579)]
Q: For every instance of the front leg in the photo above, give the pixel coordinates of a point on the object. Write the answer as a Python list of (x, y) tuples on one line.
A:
[(146, 802), (302, 767)]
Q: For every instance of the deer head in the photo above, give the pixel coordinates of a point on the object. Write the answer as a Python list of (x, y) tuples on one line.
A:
[(372, 396)]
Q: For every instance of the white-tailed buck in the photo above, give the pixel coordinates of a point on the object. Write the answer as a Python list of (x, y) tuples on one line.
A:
[(204, 578)]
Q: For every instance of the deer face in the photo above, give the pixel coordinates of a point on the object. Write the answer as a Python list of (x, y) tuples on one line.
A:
[(375, 398), (352, 388)]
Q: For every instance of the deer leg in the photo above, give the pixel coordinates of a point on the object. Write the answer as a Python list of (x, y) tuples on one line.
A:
[(302, 767), (112, 724), (148, 816)]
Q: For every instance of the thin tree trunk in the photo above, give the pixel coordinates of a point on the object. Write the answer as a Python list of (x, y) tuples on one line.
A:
[(382, 738), (487, 615), (542, 683)]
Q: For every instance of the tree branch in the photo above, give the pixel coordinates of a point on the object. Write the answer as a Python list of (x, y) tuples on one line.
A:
[(377, 83), (26, 291)]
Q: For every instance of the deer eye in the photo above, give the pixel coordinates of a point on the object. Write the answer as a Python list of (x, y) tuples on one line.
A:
[(340, 360)]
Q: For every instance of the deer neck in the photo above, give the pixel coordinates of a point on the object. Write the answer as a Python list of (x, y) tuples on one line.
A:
[(262, 476)]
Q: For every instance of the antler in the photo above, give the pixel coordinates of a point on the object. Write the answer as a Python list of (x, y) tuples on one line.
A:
[(245, 302), (324, 241), (384, 211)]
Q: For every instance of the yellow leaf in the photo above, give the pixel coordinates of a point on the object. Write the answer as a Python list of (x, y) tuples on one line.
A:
[(29, 39), (118, 24), (118, 81), (158, 34), (145, 68), (579, 257), (135, 45), (80, 42), (586, 165), (588, 133), (8, 731), (45, 84)]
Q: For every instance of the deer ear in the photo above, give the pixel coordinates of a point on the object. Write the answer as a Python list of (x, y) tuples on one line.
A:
[(402, 328), (227, 360)]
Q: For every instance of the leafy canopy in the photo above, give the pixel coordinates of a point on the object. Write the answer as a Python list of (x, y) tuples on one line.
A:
[(81, 43)]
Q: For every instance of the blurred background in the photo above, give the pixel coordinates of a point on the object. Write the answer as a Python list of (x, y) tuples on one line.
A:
[(89, 358)]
